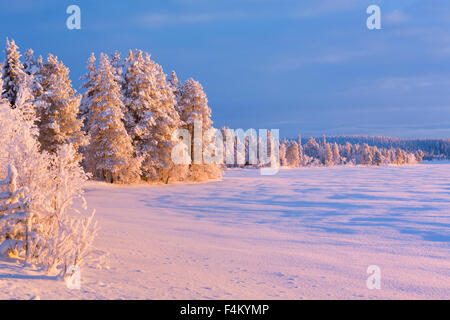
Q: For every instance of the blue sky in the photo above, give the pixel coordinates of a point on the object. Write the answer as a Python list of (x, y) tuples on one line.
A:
[(309, 67)]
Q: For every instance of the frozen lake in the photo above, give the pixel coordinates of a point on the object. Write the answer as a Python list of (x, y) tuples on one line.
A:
[(301, 234)]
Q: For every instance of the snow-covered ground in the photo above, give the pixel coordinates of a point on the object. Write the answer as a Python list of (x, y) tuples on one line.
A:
[(302, 234)]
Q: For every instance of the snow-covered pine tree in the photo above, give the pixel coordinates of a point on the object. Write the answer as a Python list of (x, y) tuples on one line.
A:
[(39, 224), (117, 64), (25, 100), (292, 157), (377, 157), (110, 154), (365, 155), (301, 156), (2, 100), (312, 149), (151, 117), (90, 84), (193, 106), (29, 63), (137, 100), (176, 88), (283, 149), (347, 152), (419, 156), (166, 121), (336, 154), (58, 117), (399, 156), (12, 72), (327, 154)]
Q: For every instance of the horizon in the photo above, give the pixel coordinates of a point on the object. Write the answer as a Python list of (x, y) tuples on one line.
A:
[(305, 68)]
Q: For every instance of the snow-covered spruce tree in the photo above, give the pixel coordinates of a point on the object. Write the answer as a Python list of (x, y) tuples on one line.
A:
[(138, 115), (283, 148), (176, 87), (364, 155), (150, 117), (117, 65), (312, 149), (58, 117), (336, 154), (400, 156), (12, 72), (292, 157), (30, 66), (193, 106), (110, 153), (347, 152), (166, 121), (419, 156), (301, 155), (39, 225), (90, 84), (377, 157), (327, 155)]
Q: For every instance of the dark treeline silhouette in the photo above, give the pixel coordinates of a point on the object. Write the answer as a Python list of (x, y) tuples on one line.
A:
[(434, 149)]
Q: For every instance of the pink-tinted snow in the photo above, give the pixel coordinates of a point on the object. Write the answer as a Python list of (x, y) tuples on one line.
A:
[(301, 234)]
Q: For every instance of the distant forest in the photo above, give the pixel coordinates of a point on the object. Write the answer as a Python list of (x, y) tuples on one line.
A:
[(434, 149)]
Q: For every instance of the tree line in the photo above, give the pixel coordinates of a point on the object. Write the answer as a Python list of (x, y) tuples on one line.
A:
[(121, 126)]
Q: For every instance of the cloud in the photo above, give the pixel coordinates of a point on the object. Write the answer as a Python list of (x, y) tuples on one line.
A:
[(324, 7), (165, 19), (250, 9), (330, 57), (395, 17), (400, 85), (407, 83)]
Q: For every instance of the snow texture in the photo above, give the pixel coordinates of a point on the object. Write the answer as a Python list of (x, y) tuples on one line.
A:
[(302, 234)]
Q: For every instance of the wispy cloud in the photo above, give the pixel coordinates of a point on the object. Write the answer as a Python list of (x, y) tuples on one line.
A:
[(395, 17), (322, 7), (333, 56), (400, 84), (165, 19), (248, 10)]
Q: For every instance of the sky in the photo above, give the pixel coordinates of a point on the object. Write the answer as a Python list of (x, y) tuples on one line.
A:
[(303, 67)]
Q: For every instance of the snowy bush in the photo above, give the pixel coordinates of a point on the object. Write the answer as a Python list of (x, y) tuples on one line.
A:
[(39, 222)]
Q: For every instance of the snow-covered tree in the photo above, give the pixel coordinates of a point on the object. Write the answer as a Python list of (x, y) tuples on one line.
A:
[(38, 223), (347, 152), (176, 89), (151, 117), (30, 66), (25, 103), (301, 155), (399, 156), (283, 149), (117, 65), (292, 157), (377, 157), (312, 148), (327, 155), (12, 72), (365, 155), (193, 106), (90, 85), (110, 153), (336, 154), (58, 117)]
